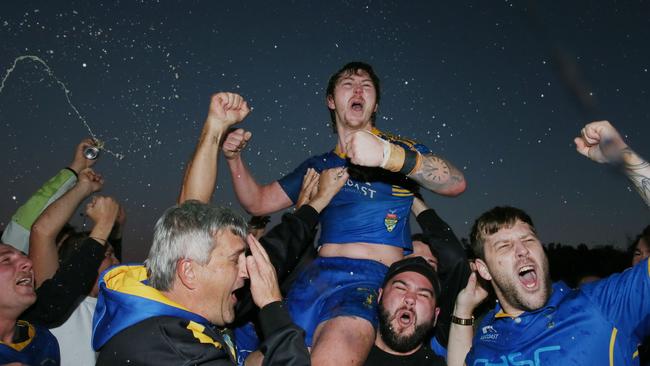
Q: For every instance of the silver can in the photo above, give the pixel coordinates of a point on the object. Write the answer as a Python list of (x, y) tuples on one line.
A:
[(91, 152)]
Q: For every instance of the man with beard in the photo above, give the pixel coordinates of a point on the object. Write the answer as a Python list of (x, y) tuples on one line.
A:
[(407, 315), (539, 323)]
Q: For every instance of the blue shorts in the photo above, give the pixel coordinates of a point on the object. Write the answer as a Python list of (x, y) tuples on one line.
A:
[(335, 286), (246, 340)]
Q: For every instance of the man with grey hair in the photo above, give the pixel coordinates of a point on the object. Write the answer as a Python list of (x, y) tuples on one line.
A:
[(187, 288), (193, 279)]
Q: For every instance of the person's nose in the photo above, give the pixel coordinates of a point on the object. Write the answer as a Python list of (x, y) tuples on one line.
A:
[(521, 250), (243, 270), (25, 264), (410, 298)]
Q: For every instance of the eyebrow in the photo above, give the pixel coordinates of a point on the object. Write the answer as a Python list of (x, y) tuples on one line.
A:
[(237, 253), (364, 79), (501, 241), (427, 290), (6, 251), (430, 291)]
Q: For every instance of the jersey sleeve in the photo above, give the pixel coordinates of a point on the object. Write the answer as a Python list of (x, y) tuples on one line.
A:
[(422, 149), (624, 298), (405, 143), (16, 233), (292, 182)]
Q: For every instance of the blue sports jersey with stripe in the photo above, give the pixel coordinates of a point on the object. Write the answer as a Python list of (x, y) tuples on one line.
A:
[(39, 348), (372, 207), (601, 323)]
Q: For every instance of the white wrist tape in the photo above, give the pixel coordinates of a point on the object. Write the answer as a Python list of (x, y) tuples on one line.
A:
[(386, 146)]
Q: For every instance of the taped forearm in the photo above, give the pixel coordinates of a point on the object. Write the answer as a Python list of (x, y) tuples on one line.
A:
[(397, 159)]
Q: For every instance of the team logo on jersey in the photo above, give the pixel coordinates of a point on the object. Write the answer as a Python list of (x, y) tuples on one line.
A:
[(391, 220), (489, 333)]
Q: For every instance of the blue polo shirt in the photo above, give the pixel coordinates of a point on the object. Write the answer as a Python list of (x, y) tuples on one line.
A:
[(372, 207), (601, 323)]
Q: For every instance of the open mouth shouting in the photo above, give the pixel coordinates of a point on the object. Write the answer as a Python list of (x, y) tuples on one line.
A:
[(240, 291), (405, 318), (357, 104), (528, 276)]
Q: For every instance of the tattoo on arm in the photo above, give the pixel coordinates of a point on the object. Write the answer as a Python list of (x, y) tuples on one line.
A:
[(437, 175), (435, 169), (638, 172)]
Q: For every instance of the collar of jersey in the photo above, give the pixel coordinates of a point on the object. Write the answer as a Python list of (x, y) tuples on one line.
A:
[(558, 291), (24, 341)]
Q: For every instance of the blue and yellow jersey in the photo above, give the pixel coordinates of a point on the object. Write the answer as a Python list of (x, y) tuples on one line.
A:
[(372, 207), (33, 346), (599, 324)]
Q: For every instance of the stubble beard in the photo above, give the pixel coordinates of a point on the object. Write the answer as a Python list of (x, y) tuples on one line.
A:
[(517, 297)]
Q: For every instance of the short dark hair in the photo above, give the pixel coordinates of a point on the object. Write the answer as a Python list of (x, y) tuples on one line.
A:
[(258, 222), (645, 235), (492, 221), (71, 245), (353, 68)]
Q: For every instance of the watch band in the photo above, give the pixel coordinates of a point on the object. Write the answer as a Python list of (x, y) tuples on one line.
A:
[(461, 321)]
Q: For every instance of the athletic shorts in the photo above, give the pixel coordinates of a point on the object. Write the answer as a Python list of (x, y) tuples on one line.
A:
[(247, 342), (335, 286)]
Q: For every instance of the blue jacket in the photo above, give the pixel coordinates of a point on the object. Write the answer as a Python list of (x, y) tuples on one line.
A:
[(125, 299)]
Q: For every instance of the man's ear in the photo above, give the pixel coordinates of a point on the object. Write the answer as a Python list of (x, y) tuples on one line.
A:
[(435, 316), (185, 270), (381, 291), (482, 269), (330, 102)]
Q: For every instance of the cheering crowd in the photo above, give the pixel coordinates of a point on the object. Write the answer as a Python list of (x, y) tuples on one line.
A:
[(368, 292)]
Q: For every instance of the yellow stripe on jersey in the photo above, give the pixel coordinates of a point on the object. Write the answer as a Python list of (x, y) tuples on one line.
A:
[(612, 341), (398, 191)]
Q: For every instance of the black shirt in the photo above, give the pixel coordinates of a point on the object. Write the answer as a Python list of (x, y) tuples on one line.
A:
[(423, 356)]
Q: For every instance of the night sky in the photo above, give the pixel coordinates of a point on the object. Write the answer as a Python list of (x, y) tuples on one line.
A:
[(500, 88)]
